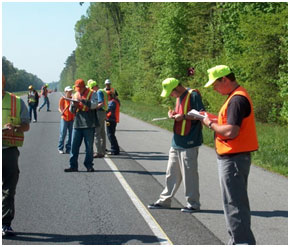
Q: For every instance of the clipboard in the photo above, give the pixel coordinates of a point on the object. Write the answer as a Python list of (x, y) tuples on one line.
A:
[(72, 100)]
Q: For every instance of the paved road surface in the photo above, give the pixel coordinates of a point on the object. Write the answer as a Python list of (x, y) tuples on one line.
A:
[(53, 207)]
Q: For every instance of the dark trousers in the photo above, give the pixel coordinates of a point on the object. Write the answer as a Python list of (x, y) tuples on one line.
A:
[(111, 130), (10, 175), (32, 108)]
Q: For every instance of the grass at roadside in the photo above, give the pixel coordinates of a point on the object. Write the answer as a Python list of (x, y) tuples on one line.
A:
[(273, 139)]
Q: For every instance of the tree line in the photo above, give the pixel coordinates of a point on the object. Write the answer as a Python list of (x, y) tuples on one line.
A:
[(137, 45), (18, 79)]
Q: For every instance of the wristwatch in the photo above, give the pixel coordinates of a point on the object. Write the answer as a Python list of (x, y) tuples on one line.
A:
[(210, 124)]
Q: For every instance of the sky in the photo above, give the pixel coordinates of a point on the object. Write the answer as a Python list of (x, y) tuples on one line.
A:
[(39, 36)]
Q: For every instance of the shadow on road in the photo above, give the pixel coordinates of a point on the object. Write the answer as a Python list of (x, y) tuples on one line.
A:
[(81, 239), (129, 171), (142, 156), (266, 214)]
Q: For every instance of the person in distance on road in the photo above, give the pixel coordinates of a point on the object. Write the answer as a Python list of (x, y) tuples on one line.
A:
[(15, 121), (66, 122), (32, 100), (235, 139), (44, 93), (85, 122), (100, 132), (187, 137)]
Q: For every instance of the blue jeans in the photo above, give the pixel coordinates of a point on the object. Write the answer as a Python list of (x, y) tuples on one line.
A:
[(32, 108), (77, 137), (45, 101), (65, 127)]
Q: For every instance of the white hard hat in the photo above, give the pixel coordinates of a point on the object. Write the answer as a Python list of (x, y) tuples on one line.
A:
[(107, 81), (68, 88)]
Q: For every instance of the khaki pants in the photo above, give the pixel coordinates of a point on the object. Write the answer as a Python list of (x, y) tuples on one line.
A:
[(182, 166), (100, 133)]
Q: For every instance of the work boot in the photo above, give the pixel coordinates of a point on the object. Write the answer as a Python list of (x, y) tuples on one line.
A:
[(71, 170)]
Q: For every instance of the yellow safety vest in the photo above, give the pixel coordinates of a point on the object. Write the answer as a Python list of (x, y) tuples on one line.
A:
[(11, 106), (105, 99)]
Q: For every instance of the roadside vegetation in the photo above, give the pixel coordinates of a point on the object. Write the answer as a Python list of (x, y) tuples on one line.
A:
[(273, 139), (138, 44)]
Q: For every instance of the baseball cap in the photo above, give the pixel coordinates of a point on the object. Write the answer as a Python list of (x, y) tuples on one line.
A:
[(80, 83), (92, 84), (168, 85), (107, 81), (68, 89), (217, 72)]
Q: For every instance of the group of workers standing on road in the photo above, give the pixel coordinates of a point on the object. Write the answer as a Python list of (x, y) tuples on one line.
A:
[(234, 131), (84, 116)]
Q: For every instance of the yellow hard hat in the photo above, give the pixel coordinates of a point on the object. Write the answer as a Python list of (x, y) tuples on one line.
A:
[(30, 87)]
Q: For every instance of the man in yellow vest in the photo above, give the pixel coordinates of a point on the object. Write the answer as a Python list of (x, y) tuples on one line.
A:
[(32, 100), (15, 121), (100, 133), (187, 137), (235, 139)]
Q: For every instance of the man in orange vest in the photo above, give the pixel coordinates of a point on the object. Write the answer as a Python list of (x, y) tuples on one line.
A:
[(187, 137), (44, 93), (235, 139), (84, 105), (66, 122), (15, 121)]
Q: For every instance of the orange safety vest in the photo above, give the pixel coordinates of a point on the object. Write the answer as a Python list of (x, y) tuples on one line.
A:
[(44, 91), (64, 105), (183, 127), (86, 95), (247, 140), (11, 105), (117, 111)]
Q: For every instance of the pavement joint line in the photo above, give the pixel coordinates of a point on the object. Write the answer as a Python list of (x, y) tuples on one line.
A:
[(152, 223)]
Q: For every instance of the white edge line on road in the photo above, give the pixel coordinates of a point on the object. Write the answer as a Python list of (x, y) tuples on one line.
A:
[(155, 227)]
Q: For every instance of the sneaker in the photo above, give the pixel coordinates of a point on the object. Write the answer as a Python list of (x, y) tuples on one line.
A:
[(34, 121), (39, 109), (61, 151), (113, 153), (48, 110), (67, 151), (71, 170), (190, 210), (155, 206), (90, 169), (7, 231)]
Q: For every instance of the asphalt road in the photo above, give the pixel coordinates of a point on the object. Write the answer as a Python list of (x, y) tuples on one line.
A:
[(53, 207)]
